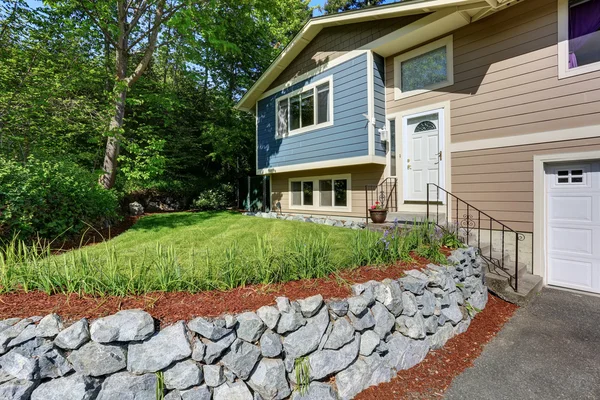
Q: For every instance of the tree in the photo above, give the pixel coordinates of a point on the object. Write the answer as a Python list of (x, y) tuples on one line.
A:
[(336, 6)]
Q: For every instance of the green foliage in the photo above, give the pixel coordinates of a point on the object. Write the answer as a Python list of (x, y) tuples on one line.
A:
[(48, 199), (302, 370), (451, 240), (160, 385), (218, 198), (472, 310), (336, 6)]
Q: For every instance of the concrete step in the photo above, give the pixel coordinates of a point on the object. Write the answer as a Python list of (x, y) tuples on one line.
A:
[(509, 263), (528, 286), (405, 217)]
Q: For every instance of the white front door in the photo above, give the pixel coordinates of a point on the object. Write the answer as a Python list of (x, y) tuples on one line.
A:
[(573, 226), (423, 155)]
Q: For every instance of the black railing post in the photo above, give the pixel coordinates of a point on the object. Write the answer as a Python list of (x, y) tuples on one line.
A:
[(479, 231), (502, 254), (516, 262), (428, 202), (467, 228)]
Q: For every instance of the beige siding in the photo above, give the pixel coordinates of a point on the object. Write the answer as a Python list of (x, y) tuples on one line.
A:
[(506, 78), (336, 41), (360, 176), (500, 181)]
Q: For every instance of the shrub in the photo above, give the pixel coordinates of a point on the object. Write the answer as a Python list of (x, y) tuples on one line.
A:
[(49, 199), (215, 199)]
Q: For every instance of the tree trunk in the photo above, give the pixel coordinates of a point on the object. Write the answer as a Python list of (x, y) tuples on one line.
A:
[(107, 180)]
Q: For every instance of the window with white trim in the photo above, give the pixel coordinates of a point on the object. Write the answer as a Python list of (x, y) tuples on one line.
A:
[(427, 68), (325, 192), (306, 109), (579, 36), (570, 176)]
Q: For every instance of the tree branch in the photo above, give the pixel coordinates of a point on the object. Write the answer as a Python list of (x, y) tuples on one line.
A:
[(136, 16), (96, 21), (164, 18)]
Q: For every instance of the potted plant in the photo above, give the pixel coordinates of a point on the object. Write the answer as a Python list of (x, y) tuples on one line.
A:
[(378, 213)]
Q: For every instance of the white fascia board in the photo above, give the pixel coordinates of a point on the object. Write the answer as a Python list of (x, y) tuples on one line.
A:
[(342, 162)]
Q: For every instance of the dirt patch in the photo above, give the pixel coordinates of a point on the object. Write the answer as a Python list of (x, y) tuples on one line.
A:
[(432, 377), (171, 307)]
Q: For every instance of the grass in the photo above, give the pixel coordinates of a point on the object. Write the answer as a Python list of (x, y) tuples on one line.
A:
[(203, 251)]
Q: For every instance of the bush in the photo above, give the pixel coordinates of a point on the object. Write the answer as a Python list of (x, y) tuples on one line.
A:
[(215, 199), (48, 199)]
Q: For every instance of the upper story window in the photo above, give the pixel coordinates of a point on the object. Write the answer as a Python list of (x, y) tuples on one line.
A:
[(427, 68), (579, 37), (305, 109)]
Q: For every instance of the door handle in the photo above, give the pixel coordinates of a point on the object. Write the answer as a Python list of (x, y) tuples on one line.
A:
[(408, 166), (440, 155)]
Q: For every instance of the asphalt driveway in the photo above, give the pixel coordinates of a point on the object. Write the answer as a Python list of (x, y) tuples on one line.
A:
[(548, 350)]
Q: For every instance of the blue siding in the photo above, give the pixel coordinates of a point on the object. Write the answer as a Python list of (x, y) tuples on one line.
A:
[(347, 137), (379, 93)]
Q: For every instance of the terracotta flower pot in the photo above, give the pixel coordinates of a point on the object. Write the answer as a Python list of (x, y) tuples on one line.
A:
[(378, 216)]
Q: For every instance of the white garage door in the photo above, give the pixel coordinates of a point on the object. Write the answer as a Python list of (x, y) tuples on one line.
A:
[(573, 226)]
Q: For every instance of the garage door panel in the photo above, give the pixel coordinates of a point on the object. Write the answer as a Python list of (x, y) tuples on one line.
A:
[(571, 208), (574, 241), (572, 274)]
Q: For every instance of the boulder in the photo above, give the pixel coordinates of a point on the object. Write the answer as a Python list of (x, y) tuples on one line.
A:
[(339, 307), (413, 327), (124, 385), (76, 386), (283, 304), (250, 327), (51, 360), (311, 305), (290, 321), (269, 380), (161, 350), (11, 332), (405, 353), (213, 375), (362, 321), (196, 393), (362, 374), (124, 326), (384, 320), (412, 284), (389, 294), (198, 350), (441, 336), (183, 375), (232, 391), (214, 330), (20, 366), (409, 301), (327, 362), (452, 313), (306, 339), (358, 304), (368, 341), (214, 350), (135, 209), (270, 344), (316, 391), (26, 334), (49, 326), (341, 334), (241, 358), (269, 315), (96, 359), (74, 336), (17, 389), (426, 303), (431, 324)]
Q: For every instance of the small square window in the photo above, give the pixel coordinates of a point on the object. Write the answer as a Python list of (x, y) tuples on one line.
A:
[(563, 173), (563, 180), (577, 172), (577, 180), (307, 193)]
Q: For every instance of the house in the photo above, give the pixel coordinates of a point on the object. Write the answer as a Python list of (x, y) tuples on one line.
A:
[(495, 101)]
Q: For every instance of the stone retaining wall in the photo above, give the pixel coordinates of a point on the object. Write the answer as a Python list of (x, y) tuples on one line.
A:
[(360, 341)]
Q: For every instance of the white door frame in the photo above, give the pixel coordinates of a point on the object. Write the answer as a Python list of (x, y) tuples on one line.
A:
[(540, 206)]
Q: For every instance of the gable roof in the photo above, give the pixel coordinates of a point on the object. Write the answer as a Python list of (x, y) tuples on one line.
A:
[(465, 10)]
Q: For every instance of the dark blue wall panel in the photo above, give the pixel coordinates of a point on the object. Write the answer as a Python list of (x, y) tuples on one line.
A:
[(379, 93)]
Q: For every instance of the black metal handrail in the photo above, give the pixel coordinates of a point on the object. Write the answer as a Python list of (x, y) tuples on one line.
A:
[(468, 223), (384, 192)]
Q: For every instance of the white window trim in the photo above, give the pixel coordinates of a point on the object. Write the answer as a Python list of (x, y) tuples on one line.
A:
[(317, 196), (446, 41), (563, 46), (305, 88)]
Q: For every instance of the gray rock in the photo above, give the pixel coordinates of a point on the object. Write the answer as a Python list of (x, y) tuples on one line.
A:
[(5, 376), (135, 209), (51, 360), (26, 334), (457, 297), (169, 345), (211, 330), (413, 327), (269, 380), (462, 326), (126, 386), (353, 380), (384, 320), (326, 362), (17, 389), (311, 305), (341, 334), (20, 366), (241, 358), (405, 353), (358, 304), (11, 332), (96, 359), (124, 326), (230, 321), (426, 303), (183, 375), (441, 336), (173, 395), (74, 336), (198, 351), (339, 307), (431, 324), (389, 294), (49, 326), (415, 273), (250, 327), (479, 300), (232, 391), (72, 387), (452, 313), (290, 321), (213, 375), (270, 344), (363, 321), (214, 350), (283, 304), (415, 353), (368, 341), (269, 315), (316, 391), (412, 284), (409, 301), (307, 338), (197, 393), (229, 375)]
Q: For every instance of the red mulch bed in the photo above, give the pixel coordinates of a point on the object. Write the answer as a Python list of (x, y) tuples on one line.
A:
[(432, 377), (171, 307)]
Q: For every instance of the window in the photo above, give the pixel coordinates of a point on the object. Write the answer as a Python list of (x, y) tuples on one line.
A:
[(579, 36), (569, 176), (307, 109), (327, 192), (427, 68)]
